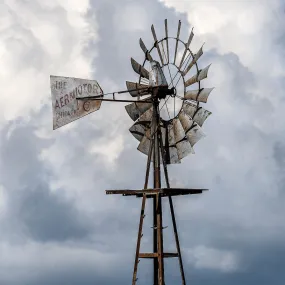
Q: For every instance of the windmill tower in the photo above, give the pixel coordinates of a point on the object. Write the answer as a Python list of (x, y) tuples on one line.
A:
[(167, 123)]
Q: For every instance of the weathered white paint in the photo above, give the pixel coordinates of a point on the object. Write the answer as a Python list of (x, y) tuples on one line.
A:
[(64, 91)]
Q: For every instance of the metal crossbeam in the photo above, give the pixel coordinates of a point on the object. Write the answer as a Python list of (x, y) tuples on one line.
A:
[(162, 191), (155, 255)]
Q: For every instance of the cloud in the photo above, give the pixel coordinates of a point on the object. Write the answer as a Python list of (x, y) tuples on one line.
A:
[(58, 224), (132, 17), (209, 258), (53, 262), (39, 39)]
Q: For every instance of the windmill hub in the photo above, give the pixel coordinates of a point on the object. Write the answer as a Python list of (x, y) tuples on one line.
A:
[(161, 92)]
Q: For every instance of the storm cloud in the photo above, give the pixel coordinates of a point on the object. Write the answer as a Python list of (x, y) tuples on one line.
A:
[(58, 226)]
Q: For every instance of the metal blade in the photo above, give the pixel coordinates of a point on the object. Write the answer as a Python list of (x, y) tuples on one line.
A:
[(173, 153), (186, 47), (144, 145), (163, 135), (135, 110), (133, 89), (142, 127), (183, 146), (145, 50), (202, 74), (194, 60), (199, 95), (199, 115), (146, 116), (192, 130), (166, 37), (178, 130), (139, 69), (195, 134), (185, 121), (177, 38), (156, 44), (171, 138), (138, 130)]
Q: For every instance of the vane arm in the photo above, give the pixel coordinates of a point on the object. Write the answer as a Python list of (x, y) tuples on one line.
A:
[(118, 92), (95, 98), (99, 97)]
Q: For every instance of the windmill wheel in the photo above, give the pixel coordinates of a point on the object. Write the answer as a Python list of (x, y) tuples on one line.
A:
[(171, 69)]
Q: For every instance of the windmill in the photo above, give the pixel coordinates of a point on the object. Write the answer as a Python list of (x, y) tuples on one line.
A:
[(168, 120)]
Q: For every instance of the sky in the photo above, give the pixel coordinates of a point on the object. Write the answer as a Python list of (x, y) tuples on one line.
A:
[(58, 226)]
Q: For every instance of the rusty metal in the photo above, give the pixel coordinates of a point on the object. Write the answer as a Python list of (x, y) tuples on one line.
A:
[(157, 203), (142, 216), (172, 140), (173, 214), (162, 191), (155, 255), (141, 88), (148, 255), (85, 99), (169, 254), (156, 184)]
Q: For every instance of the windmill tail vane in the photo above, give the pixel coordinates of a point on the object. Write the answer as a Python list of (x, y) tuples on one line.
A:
[(165, 107)]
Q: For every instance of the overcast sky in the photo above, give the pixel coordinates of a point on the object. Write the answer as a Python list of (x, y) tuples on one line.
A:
[(57, 226)]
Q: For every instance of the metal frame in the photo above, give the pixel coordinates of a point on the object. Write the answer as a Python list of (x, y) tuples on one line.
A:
[(156, 193), (174, 64), (156, 151)]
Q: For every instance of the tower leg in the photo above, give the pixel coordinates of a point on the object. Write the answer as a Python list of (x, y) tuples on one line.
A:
[(177, 240), (172, 212), (142, 215), (139, 240), (158, 237), (155, 261)]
